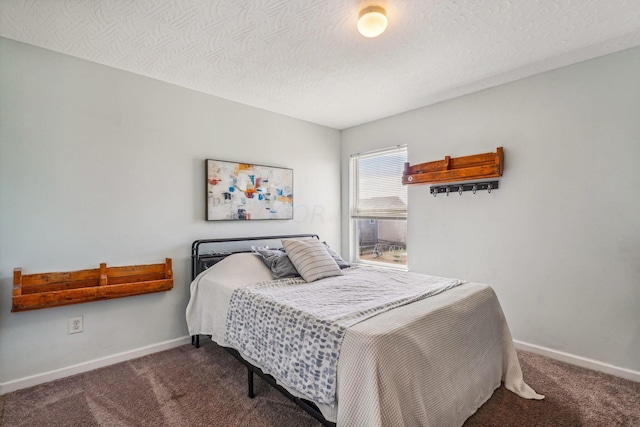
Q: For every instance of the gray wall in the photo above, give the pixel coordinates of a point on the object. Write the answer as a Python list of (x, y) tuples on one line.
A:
[(100, 165), (560, 240)]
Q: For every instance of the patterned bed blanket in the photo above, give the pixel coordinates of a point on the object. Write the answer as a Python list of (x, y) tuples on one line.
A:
[(294, 329)]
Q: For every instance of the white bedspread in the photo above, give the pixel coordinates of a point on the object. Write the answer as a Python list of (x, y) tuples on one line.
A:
[(430, 363), (212, 290), (295, 328)]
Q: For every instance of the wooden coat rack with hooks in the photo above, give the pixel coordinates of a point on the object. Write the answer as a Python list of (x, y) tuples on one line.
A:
[(455, 169)]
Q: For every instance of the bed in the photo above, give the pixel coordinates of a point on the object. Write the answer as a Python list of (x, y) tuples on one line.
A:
[(429, 361)]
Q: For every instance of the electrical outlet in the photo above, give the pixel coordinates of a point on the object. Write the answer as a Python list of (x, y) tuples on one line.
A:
[(75, 325)]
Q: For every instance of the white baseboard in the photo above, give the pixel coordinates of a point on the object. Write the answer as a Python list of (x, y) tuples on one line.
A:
[(579, 361), (44, 377)]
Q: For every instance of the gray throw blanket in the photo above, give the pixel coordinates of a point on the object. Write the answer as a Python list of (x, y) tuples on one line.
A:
[(294, 329)]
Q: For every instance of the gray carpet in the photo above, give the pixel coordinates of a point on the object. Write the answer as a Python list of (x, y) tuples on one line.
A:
[(207, 387)]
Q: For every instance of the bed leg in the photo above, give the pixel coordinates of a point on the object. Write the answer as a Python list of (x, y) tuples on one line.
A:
[(250, 382), (195, 340)]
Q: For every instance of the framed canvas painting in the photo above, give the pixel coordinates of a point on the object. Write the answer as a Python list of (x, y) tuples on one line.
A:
[(243, 191)]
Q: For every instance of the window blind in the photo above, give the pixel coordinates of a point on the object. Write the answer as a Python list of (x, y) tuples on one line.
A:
[(377, 184)]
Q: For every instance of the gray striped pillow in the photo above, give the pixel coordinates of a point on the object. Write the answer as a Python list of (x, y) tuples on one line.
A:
[(311, 259)]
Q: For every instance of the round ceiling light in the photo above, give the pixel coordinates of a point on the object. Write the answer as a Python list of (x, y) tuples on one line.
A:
[(372, 21)]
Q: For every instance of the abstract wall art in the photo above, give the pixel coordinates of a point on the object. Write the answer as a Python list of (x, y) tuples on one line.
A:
[(243, 191)]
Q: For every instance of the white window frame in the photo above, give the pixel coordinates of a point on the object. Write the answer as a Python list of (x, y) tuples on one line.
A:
[(355, 214)]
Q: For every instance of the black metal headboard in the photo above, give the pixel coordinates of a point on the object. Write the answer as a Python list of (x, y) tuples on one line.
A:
[(203, 257)]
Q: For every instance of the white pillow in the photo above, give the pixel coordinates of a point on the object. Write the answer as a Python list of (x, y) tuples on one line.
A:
[(311, 259)]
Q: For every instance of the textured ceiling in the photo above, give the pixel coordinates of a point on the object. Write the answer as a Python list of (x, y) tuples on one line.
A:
[(305, 59)]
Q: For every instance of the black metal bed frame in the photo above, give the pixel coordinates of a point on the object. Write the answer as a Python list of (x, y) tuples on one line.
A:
[(197, 266)]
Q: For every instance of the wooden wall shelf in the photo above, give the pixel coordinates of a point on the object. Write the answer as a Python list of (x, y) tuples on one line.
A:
[(478, 166), (44, 290)]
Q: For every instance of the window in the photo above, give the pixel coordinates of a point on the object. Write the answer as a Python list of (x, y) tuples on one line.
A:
[(378, 217)]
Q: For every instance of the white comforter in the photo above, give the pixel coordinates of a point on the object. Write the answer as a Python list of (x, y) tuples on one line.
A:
[(430, 363), (295, 329)]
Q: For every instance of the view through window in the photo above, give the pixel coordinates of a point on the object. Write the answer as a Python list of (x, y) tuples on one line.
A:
[(379, 207)]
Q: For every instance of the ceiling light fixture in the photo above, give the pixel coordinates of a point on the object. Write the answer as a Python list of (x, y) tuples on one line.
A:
[(372, 21)]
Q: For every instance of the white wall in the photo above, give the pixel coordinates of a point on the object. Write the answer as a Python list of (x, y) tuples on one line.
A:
[(100, 165), (560, 240)]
